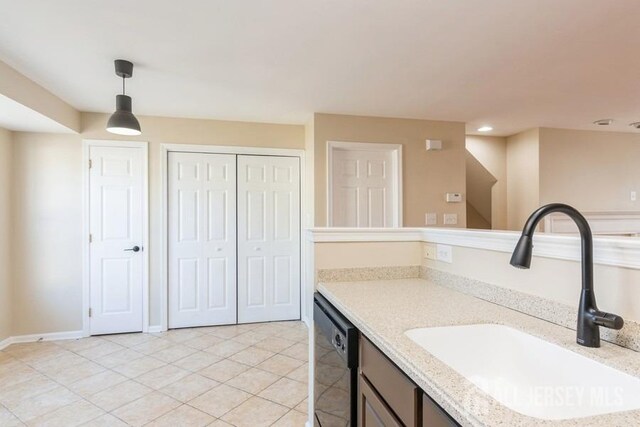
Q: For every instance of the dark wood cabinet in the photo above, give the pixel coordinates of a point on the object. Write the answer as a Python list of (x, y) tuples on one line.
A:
[(388, 398), (433, 415), (373, 411), (395, 388)]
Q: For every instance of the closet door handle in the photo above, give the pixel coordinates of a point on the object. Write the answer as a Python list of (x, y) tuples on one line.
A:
[(134, 249), (257, 248)]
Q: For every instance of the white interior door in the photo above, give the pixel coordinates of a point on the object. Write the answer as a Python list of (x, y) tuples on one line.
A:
[(268, 238), (202, 239), (116, 209), (363, 188)]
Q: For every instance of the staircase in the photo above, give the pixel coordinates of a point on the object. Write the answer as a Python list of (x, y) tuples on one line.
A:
[(479, 184)]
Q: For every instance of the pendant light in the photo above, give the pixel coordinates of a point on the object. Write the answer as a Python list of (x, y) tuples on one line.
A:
[(123, 122)]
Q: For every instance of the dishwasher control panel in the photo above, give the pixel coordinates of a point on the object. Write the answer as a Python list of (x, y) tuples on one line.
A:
[(339, 341)]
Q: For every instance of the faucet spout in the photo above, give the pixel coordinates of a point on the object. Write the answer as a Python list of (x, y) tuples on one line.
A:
[(590, 318)]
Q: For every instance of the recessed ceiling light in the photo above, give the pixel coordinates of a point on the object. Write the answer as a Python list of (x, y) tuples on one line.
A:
[(603, 122), (485, 128)]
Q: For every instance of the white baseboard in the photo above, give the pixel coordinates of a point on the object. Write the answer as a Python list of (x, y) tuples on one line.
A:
[(5, 343), (52, 336), (154, 329), (307, 321)]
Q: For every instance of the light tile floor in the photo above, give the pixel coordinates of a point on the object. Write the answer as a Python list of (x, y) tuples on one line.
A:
[(242, 375)]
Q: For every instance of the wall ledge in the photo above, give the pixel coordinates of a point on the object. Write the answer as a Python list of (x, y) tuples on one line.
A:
[(614, 251), (322, 235)]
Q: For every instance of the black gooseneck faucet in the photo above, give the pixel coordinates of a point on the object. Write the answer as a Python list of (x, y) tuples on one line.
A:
[(589, 317)]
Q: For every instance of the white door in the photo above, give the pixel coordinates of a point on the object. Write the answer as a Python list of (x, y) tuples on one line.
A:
[(268, 238), (363, 188), (202, 239), (116, 209)]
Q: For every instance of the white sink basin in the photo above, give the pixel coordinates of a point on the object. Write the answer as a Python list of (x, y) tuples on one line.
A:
[(529, 375)]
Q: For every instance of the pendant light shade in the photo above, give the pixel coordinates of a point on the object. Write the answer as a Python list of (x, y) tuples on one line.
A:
[(123, 122)]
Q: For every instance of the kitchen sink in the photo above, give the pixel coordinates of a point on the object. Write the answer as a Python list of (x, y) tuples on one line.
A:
[(527, 374)]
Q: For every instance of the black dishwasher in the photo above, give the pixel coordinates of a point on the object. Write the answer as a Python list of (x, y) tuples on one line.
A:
[(336, 366)]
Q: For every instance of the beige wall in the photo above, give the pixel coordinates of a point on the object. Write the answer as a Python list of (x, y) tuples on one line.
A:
[(309, 200), (590, 170), (367, 254), (523, 185), (6, 264), (427, 176), (616, 288), (491, 152), (47, 233), (48, 209), (594, 171), (30, 94), (474, 219)]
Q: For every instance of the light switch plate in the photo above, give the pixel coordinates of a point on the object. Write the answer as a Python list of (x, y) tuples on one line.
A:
[(450, 219), (444, 253), (431, 218)]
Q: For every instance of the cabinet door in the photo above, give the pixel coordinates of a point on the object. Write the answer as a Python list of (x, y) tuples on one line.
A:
[(433, 415), (390, 383), (373, 412)]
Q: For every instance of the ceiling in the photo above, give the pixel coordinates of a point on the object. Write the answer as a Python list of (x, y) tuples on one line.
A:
[(511, 64)]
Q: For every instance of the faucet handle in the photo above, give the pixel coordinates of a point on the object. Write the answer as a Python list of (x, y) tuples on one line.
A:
[(608, 320)]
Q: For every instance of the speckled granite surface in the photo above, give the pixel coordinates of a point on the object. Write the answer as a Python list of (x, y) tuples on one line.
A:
[(549, 310), (384, 310), (369, 273)]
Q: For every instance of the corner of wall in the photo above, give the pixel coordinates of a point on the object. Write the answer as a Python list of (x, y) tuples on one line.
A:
[(523, 176), (6, 221)]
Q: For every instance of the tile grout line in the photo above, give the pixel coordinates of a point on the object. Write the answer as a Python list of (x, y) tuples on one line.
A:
[(82, 398), (54, 381)]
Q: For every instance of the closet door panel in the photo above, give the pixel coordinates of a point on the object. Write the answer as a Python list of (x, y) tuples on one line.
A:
[(202, 239), (268, 238)]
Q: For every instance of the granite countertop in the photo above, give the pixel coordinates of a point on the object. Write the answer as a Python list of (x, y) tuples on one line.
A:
[(383, 310)]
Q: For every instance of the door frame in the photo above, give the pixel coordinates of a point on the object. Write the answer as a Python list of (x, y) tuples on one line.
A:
[(86, 247), (396, 158), (165, 149)]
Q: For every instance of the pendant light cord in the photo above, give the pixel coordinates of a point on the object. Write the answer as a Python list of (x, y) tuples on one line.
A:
[(123, 89)]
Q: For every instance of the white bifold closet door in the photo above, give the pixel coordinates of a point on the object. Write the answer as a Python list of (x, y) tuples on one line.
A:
[(202, 239), (268, 238)]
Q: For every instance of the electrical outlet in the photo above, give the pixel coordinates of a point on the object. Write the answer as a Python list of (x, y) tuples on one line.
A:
[(633, 196), (450, 219), (431, 218), (430, 251), (444, 253)]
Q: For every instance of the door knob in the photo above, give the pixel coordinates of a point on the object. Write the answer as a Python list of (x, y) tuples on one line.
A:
[(134, 249)]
